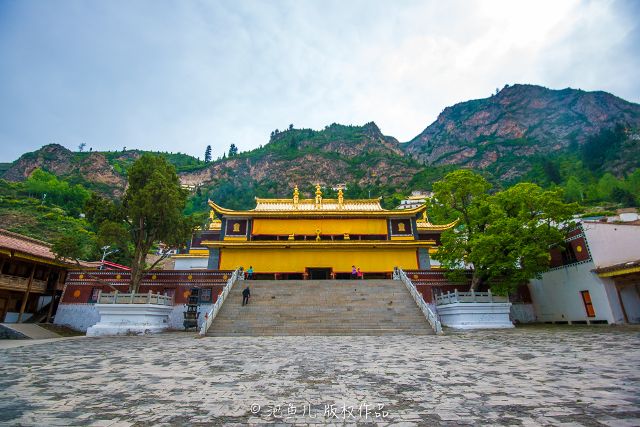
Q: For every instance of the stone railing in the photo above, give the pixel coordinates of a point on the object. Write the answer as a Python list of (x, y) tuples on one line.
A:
[(121, 298), (463, 297), (211, 315), (430, 315)]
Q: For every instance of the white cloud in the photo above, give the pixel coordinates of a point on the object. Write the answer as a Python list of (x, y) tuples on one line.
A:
[(188, 74)]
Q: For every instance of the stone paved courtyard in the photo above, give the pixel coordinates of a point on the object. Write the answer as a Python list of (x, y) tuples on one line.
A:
[(529, 376)]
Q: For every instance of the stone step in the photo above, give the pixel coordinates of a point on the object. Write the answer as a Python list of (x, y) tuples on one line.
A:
[(330, 307)]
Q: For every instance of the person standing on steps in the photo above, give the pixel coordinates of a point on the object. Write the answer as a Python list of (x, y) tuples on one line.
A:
[(246, 294), (354, 272), (250, 273)]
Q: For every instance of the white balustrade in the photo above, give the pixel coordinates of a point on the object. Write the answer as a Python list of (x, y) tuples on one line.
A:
[(238, 274), (430, 315)]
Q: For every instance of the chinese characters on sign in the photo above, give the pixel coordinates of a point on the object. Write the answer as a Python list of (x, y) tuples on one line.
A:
[(360, 412)]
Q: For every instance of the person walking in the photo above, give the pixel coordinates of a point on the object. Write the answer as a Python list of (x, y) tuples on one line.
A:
[(246, 294), (360, 274), (354, 272), (250, 273)]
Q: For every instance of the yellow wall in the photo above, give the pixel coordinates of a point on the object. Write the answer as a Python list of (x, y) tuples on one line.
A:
[(281, 260), (325, 225)]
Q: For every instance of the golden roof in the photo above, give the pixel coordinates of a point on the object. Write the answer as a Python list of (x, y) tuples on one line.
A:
[(320, 207), (310, 207), (424, 224)]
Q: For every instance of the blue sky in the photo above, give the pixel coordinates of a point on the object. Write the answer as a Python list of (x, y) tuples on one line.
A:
[(178, 75)]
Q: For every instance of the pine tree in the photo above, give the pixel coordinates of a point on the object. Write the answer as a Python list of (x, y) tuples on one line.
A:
[(207, 154)]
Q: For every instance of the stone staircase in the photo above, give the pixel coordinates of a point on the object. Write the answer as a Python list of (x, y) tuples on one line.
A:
[(320, 307)]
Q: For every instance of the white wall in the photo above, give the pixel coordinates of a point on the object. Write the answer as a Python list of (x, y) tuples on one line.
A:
[(631, 300), (523, 313), (556, 296), (81, 316), (612, 244), (76, 316), (190, 263)]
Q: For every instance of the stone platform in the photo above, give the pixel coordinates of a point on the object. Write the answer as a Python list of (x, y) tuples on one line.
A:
[(560, 375)]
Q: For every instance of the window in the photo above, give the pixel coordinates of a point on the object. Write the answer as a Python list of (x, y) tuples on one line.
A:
[(205, 295), (588, 305), (568, 255)]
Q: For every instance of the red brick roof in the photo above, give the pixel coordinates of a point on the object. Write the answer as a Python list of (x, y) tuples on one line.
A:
[(29, 246)]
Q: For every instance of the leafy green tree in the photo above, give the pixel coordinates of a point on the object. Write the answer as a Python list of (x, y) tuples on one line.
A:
[(623, 196), (233, 150), (116, 236), (633, 184), (152, 207), (574, 190), (600, 147), (606, 184), (505, 237), (52, 190), (73, 246), (99, 209)]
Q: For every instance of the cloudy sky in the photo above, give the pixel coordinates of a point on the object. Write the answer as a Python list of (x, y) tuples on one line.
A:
[(178, 75)]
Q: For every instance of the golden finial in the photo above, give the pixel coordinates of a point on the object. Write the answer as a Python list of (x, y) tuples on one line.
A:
[(296, 196), (424, 217), (318, 196), (340, 197)]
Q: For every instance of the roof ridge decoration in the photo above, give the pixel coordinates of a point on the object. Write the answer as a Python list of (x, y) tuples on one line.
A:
[(296, 196), (317, 206), (318, 196)]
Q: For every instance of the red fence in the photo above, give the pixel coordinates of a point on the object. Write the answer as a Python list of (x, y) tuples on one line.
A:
[(82, 286)]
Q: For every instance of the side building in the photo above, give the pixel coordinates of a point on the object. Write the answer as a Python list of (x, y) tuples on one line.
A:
[(31, 279), (594, 278)]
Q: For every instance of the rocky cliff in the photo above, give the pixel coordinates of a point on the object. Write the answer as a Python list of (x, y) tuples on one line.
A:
[(502, 134), (518, 122)]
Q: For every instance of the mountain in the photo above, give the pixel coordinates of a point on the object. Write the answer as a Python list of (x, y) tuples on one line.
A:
[(91, 169), (522, 132), (103, 172), (501, 132)]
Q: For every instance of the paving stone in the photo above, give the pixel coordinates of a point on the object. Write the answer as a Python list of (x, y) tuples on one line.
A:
[(462, 378)]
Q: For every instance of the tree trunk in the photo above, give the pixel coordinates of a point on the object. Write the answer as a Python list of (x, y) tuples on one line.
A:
[(137, 270), (476, 281)]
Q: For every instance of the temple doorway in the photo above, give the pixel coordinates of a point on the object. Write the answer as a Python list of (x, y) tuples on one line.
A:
[(319, 273)]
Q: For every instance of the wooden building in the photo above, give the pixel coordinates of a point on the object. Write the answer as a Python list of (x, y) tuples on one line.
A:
[(31, 278)]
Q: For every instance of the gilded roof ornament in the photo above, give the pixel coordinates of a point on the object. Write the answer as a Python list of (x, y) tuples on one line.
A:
[(318, 196), (340, 198), (296, 197)]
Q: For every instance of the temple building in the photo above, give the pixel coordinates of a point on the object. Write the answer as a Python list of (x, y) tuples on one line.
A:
[(31, 278), (315, 238)]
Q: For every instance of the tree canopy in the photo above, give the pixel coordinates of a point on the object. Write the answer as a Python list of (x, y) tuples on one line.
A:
[(152, 208), (503, 237), (151, 211)]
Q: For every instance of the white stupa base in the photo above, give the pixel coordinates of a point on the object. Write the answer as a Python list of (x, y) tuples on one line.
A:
[(476, 315), (130, 319)]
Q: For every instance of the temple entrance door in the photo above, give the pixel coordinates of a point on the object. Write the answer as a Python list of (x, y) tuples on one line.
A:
[(319, 273)]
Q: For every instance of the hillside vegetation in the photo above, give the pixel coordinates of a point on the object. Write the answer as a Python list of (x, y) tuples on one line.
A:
[(587, 143)]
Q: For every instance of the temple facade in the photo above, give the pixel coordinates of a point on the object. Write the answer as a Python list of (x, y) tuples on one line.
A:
[(315, 238)]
